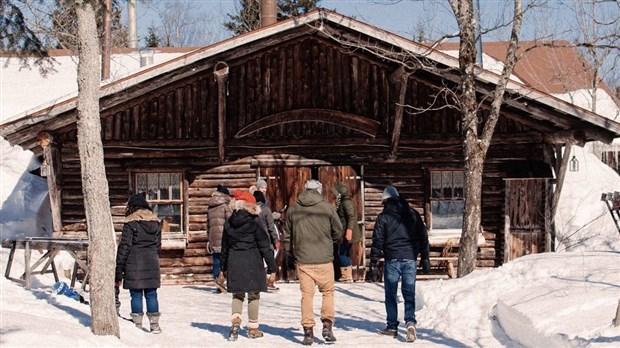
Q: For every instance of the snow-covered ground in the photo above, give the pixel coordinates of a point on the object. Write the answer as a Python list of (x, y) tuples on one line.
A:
[(563, 299), (566, 299)]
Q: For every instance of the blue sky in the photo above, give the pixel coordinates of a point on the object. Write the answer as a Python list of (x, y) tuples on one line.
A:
[(404, 17)]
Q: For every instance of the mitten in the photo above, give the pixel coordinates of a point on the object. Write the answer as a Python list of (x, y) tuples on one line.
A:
[(290, 261), (373, 272), (426, 265)]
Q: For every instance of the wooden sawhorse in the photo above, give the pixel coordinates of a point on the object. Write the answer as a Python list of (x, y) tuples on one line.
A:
[(52, 247)]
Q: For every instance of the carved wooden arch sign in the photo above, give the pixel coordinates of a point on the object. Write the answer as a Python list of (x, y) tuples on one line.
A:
[(358, 123)]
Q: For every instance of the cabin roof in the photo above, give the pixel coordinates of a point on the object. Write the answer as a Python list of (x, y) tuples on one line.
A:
[(319, 21)]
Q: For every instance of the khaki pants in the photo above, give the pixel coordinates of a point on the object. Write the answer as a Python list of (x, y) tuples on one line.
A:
[(356, 253), (253, 305), (310, 276)]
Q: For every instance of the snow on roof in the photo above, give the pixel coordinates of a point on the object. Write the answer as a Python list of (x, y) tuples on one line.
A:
[(555, 68), (24, 89)]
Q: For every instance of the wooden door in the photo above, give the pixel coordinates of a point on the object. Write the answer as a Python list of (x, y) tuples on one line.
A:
[(525, 217), (284, 184)]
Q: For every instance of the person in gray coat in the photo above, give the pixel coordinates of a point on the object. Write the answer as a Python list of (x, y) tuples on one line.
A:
[(137, 260), (266, 218), (218, 212)]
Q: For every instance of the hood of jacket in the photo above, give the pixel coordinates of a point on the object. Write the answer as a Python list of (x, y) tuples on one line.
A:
[(309, 197), (218, 198), (149, 221), (142, 215), (392, 204), (241, 217), (340, 189)]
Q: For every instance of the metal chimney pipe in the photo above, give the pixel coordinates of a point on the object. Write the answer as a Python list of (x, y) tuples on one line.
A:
[(106, 52), (268, 13), (477, 15), (132, 24)]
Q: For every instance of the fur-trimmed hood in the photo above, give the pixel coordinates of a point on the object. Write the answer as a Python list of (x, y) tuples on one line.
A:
[(237, 204), (141, 215)]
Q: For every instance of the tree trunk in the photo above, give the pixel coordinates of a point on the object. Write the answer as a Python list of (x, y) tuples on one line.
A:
[(474, 156), (476, 146), (101, 251)]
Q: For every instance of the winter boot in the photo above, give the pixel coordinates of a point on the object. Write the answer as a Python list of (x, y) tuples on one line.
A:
[(220, 283), (154, 321), (328, 335), (411, 334), (388, 332), (346, 274), (234, 329), (308, 336), (137, 319), (271, 283), (253, 331)]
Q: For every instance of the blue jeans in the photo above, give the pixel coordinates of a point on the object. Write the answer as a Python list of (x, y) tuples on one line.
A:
[(152, 305), (343, 254), (394, 269), (216, 265)]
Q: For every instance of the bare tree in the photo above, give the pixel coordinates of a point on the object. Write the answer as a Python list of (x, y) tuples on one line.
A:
[(181, 25), (477, 144), (101, 250)]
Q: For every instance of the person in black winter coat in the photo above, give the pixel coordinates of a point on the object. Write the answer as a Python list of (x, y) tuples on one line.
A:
[(137, 260), (399, 236), (245, 244)]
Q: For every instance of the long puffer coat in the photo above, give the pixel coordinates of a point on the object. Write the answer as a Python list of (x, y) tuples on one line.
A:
[(217, 214), (245, 244), (137, 258)]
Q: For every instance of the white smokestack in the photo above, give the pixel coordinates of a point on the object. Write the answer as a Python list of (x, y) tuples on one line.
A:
[(132, 24)]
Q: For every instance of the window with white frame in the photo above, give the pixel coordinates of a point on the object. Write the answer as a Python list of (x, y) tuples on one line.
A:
[(447, 200), (164, 193)]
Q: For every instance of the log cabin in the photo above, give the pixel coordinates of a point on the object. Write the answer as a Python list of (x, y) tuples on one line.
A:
[(320, 96)]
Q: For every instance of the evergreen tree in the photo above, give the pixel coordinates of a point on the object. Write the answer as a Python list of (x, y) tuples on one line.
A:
[(151, 39), (248, 18), (17, 39)]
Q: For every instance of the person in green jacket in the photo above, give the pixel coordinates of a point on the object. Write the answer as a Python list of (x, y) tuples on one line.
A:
[(352, 237), (310, 230)]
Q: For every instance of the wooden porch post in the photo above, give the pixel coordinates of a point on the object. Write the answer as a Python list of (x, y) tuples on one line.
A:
[(401, 76), (52, 169), (507, 236), (553, 154), (221, 75)]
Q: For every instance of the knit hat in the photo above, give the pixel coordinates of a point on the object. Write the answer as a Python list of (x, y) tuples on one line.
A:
[(246, 197), (223, 190), (389, 192), (260, 197), (138, 200), (260, 183), (313, 185)]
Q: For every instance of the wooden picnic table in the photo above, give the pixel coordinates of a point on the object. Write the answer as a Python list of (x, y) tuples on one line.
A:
[(52, 247)]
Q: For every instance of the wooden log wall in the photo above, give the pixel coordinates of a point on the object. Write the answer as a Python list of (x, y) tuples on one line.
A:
[(174, 127)]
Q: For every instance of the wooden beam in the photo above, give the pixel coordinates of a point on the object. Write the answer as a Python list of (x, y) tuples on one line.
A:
[(398, 113), (358, 123), (52, 166), (561, 174), (507, 236), (573, 136), (221, 75)]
